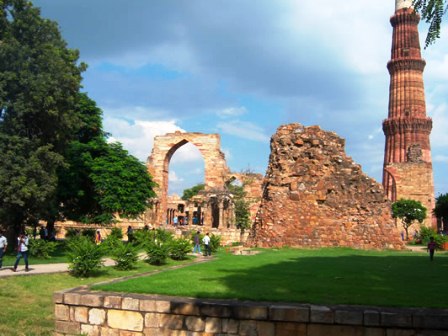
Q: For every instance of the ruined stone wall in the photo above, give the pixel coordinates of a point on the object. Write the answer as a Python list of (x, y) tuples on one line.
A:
[(314, 195)]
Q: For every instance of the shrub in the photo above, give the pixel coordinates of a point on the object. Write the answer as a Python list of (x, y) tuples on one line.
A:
[(42, 248), (426, 233), (215, 242), (71, 233), (142, 237), (124, 255), (89, 233), (157, 252), (116, 233), (179, 248), (84, 256), (110, 244)]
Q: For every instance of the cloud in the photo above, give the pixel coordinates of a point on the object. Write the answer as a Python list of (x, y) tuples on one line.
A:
[(243, 129), (232, 112), (173, 178), (439, 134)]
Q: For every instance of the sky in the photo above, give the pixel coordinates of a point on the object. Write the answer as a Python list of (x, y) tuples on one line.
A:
[(243, 68)]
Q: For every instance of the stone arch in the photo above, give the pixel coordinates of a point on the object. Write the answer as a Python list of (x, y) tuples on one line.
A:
[(215, 166)]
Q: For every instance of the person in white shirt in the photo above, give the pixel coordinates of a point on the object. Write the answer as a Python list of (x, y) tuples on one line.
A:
[(3, 245), (206, 241), (22, 251)]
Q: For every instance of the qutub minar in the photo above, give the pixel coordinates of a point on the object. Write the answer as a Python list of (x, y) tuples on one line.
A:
[(407, 157)]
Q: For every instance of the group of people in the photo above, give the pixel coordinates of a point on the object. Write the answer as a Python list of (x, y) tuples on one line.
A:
[(205, 241), (22, 250)]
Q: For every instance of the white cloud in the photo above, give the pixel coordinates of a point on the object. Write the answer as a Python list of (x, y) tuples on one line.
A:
[(243, 129), (441, 158), (232, 112), (439, 134), (173, 178)]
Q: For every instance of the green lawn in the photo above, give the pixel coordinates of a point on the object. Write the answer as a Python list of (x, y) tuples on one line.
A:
[(324, 276), (27, 307)]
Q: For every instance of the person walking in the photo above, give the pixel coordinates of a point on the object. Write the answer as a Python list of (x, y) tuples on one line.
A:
[(206, 241), (197, 243), (98, 237), (3, 246), (130, 234), (431, 248), (22, 251)]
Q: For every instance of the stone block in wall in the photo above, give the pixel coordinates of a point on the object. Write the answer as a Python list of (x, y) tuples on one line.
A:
[(290, 329), (58, 297), (112, 302), (68, 327), (401, 332), (213, 325), (72, 299), (109, 332), (321, 314), (371, 318), (195, 323), (81, 314), (230, 326), (334, 330), (127, 320), (61, 312), (92, 300), (265, 328), (173, 322), (348, 317), (91, 330), (248, 328), (97, 316), (184, 308), (163, 306), (250, 312), (396, 319), (152, 320), (288, 313), (215, 309), (374, 332), (129, 303), (424, 321)]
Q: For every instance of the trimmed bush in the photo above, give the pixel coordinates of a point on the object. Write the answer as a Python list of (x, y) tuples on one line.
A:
[(84, 256), (42, 248), (179, 248), (116, 233), (157, 252), (215, 242), (125, 256)]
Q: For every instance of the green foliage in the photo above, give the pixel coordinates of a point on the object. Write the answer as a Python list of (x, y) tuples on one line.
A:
[(193, 191), (179, 248), (432, 12), (124, 255), (426, 233), (41, 248), (242, 213), (441, 208), (84, 256), (39, 81), (116, 233), (157, 252), (71, 233), (143, 237), (89, 233), (215, 242), (408, 211)]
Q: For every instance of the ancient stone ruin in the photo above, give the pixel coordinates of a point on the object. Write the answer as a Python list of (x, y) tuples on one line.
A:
[(314, 195)]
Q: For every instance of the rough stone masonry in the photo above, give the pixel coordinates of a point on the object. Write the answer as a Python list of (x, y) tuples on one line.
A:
[(314, 195)]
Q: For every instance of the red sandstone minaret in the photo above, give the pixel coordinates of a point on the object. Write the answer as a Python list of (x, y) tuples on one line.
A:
[(407, 157)]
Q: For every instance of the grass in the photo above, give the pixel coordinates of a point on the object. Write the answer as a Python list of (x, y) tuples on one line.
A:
[(27, 307), (324, 276)]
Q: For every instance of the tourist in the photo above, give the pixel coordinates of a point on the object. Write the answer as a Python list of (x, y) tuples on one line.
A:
[(3, 246), (431, 248), (98, 237), (22, 251), (175, 220), (43, 233), (206, 241), (130, 233), (197, 243)]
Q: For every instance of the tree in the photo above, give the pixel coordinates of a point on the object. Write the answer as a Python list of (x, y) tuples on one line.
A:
[(242, 213), (441, 209), (193, 191), (39, 81), (101, 179), (432, 12), (408, 211)]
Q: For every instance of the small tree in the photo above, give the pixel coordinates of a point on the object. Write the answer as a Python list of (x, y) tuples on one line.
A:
[(408, 211), (441, 209)]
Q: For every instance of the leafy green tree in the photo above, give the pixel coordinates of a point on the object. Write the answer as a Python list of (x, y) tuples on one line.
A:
[(242, 213), (408, 211), (441, 209), (432, 12), (39, 81), (193, 191)]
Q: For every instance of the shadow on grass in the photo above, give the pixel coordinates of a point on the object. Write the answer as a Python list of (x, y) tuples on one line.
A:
[(412, 281)]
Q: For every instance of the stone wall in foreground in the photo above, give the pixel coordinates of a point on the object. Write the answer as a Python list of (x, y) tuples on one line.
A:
[(80, 311), (314, 195)]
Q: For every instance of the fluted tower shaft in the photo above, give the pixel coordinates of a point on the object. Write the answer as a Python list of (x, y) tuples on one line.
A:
[(407, 156)]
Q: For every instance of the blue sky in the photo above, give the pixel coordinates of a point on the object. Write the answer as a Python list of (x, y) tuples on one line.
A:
[(242, 69)]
